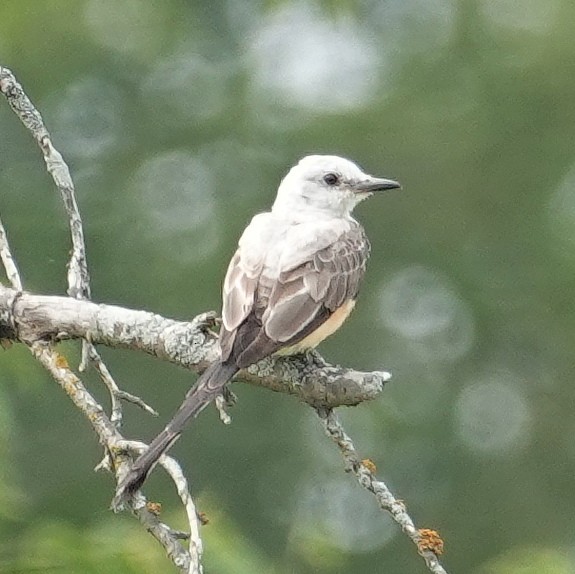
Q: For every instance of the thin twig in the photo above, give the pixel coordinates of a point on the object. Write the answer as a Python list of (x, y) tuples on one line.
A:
[(116, 394), (108, 433), (364, 473), (78, 278), (313, 376), (78, 275), (223, 402), (175, 472), (57, 365), (79, 288), (8, 261)]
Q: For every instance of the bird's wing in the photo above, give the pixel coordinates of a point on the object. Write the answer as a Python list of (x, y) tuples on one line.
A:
[(244, 271), (239, 291), (266, 249), (326, 281), (287, 308)]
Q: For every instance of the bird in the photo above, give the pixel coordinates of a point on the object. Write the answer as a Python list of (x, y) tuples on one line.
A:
[(292, 282)]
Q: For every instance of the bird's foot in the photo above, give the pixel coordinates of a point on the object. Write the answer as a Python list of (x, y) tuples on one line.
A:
[(206, 321)]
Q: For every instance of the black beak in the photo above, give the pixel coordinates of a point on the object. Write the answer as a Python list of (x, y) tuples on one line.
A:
[(376, 184)]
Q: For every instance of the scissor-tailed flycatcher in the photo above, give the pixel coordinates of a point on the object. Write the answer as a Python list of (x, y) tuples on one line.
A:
[(291, 283)]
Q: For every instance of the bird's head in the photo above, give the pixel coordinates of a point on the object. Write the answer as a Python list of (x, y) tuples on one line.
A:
[(326, 185)]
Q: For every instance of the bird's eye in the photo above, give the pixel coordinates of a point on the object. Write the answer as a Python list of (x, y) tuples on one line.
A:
[(331, 178)]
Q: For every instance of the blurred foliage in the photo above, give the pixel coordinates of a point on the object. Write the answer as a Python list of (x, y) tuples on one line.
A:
[(178, 119), (530, 561)]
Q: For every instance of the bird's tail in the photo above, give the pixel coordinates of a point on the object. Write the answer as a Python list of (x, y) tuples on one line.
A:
[(209, 385)]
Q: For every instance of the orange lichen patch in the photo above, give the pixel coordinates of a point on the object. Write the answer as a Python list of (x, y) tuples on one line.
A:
[(61, 362), (154, 508), (369, 465), (203, 518), (430, 540)]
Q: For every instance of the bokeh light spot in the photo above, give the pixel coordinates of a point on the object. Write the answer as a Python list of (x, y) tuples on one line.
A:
[(421, 306), (305, 59), (492, 415), (185, 88), (176, 192), (337, 510), (89, 118)]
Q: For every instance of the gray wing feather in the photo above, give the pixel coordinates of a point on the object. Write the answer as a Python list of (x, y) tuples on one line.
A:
[(263, 314), (327, 281), (245, 269), (238, 294), (291, 316)]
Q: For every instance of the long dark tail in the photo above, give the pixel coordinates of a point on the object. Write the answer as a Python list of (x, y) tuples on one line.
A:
[(209, 385)]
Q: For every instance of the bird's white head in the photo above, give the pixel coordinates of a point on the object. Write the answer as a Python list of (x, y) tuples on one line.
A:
[(325, 186)]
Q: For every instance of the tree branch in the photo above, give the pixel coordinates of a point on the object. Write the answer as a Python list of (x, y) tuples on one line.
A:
[(189, 344), (40, 321), (7, 260), (79, 287), (428, 543)]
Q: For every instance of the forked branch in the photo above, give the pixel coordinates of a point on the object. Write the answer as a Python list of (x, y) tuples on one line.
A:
[(41, 321)]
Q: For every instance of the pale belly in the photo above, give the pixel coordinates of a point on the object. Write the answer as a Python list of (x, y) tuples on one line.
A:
[(327, 328)]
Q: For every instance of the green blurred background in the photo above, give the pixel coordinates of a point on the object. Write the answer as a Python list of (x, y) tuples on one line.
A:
[(178, 120)]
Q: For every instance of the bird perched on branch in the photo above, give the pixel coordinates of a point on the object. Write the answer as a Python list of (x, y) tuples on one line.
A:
[(291, 283)]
